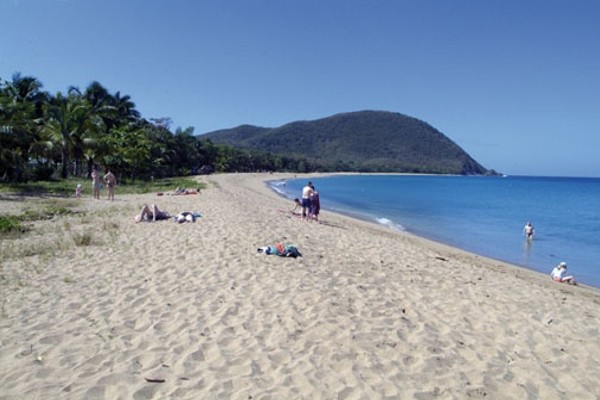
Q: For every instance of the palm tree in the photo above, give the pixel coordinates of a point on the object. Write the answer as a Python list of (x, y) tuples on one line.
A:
[(20, 108), (24, 89), (125, 107), (68, 124)]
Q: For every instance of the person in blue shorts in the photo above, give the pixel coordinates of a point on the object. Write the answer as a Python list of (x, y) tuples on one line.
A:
[(307, 192)]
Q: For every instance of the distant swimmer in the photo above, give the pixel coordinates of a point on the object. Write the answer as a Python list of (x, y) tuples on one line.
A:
[(528, 230)]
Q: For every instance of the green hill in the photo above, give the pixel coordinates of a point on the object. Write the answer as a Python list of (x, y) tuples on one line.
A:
[(366, 141)]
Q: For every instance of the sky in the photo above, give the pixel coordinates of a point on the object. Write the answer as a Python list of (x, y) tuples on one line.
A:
[(515, 83)]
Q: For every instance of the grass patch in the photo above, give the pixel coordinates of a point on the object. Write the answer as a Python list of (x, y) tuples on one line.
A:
[(47, 213), (15, 226), (66, 187), (82, 239), (11, 225)]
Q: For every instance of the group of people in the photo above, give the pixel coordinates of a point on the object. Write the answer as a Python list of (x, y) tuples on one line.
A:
[(310, 204), (109, 179), (559, 273)]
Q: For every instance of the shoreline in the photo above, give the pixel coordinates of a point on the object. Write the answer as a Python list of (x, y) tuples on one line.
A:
[(166, 310), (292, 176)]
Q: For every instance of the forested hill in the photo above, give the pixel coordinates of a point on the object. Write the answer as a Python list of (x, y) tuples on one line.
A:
[(366, 141)]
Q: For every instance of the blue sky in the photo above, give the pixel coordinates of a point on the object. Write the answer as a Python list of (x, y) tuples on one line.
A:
[(514, 83)]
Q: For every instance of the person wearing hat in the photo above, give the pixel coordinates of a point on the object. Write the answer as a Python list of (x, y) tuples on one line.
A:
[(559, 274)]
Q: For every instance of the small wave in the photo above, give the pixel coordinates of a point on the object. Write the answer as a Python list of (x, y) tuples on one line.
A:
[(389, 223), (278, 187)]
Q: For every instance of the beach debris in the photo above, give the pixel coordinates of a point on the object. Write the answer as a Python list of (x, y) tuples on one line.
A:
[(280, 249), (155, 380), (441, 258), (27, 352)]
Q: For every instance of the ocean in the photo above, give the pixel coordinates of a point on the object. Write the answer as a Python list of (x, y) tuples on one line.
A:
[(483, 215)]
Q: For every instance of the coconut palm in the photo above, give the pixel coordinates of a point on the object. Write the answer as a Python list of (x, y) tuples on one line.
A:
[(20, 108), (125, 107), (68, 124)]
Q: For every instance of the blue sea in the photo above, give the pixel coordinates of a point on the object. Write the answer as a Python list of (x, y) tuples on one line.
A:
[(484, 215)]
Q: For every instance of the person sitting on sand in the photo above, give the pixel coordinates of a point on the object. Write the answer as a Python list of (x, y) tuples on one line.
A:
[(559, 274), (151, 214)]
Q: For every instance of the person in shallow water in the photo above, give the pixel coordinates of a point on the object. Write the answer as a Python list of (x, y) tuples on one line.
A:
[(528, 231)]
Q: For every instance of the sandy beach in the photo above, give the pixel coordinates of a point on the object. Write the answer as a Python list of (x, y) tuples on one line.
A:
[(96, 306)]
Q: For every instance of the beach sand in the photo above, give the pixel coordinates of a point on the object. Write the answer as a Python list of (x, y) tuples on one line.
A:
[(96, 306)]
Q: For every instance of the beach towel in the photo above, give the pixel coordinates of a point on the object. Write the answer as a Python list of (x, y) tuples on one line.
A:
[(280, 249)]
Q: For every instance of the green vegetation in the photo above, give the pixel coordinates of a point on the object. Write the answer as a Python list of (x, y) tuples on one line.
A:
[(365, 141), (45, 136), (13, 224), (66, 187), (10, 224)]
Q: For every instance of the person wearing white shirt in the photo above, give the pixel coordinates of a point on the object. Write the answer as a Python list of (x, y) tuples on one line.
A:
[(559, 274)]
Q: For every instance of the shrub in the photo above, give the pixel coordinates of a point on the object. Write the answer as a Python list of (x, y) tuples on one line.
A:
[(10, 224)]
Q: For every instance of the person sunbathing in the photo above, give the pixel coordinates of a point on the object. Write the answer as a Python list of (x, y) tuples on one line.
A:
[(181, 191), (151, 214)]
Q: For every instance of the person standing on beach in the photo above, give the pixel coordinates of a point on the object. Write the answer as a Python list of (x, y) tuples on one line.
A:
[(111, 182), (307, 191), (315, 204), (528, 230), (96, 182)]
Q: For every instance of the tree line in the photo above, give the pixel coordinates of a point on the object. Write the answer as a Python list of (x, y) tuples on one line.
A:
[(45, 136)]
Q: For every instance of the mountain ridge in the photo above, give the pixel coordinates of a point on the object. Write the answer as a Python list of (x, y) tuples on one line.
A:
[(362, 141)]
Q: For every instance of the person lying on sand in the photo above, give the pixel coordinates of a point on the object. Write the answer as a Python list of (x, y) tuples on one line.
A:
[(186, 216), (151, 214), (182, 191)]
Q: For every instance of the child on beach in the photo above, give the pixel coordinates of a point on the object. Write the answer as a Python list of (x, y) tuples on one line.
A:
[(297, 207), (78, 191)]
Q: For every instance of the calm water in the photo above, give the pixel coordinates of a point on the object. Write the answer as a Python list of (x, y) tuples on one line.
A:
[(484, 215)]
